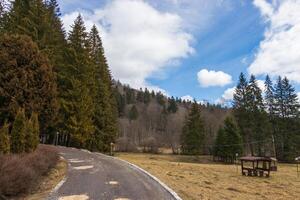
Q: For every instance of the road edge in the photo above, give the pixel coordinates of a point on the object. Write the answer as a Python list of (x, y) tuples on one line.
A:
[(167, 188)]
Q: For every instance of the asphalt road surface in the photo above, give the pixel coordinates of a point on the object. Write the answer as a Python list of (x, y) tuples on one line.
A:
[(95, 176)]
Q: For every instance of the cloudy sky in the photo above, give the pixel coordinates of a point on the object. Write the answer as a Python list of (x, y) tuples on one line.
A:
[(194, 48)]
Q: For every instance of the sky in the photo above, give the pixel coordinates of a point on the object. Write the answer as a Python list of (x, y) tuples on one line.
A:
[(194, 49)]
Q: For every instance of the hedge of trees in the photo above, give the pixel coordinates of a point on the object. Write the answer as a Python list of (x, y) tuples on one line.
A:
[(24, 134), (62, 77)]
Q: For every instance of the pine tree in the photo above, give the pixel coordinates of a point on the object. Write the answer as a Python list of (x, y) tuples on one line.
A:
[(220, 150), (260, 126), (32, 133), (147, 96), (233, 139), (172, 108), (77, 99), (18, 133), (269, 96), (28, 136), (29, 83), (105, 103), (80, 123), (4, 139), (133, 113), (241, 110), (286, 113), (192, 137)]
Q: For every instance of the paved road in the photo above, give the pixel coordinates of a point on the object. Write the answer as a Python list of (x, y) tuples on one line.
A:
[(97, 177)]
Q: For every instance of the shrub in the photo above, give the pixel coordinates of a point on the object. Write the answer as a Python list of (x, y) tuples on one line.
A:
[(18, 133), (4, 139), (150, 145), (32, 133), (20, 174)]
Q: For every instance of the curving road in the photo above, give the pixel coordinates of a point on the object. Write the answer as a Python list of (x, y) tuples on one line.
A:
[(95, 176)]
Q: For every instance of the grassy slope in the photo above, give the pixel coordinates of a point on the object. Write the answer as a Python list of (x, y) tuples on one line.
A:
[(198, 178)]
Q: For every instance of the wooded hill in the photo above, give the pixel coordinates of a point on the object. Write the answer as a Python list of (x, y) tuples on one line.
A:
[(148, 120)]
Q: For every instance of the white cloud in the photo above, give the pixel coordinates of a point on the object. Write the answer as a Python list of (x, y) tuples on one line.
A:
[(187, 98), (278, 53), (261, 85), (227, 96), (139, 40), (213, 78)]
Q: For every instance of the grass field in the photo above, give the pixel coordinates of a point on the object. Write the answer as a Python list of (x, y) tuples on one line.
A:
[(199, 178)]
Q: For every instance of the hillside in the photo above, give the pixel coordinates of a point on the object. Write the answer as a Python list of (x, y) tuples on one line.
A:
[(149, 120)]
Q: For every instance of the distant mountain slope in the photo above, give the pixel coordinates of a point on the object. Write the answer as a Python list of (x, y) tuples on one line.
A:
[(149, 120)]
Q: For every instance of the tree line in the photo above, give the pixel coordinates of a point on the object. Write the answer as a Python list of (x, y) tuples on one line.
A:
[(62, 78), (266, 122)]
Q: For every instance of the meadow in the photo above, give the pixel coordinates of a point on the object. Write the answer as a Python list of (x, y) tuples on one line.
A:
[(197, 177)]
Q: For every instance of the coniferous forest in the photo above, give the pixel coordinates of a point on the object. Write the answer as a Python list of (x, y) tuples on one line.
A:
[(56, 87)]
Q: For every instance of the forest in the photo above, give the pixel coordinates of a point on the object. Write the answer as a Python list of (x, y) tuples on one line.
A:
[(56, 86)]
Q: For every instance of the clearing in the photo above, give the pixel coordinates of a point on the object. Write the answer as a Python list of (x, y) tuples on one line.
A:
[(197, 177)]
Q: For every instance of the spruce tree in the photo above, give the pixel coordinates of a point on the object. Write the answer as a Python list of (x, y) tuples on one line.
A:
[(287, 116), (28, 136), (18, 134), (269, 96), (105, 103), (233, 139), (241, 110), (260, 125), (32, 133), (147, 96), (172, 107), (133, 113), (192, 138), (29, 83), (77, 100), (4, 139), (220, 150)]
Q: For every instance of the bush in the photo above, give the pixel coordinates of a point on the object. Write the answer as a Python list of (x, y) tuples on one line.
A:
[(123, 144), (20, 174), (32, 133), (18, 133), (150, 145)]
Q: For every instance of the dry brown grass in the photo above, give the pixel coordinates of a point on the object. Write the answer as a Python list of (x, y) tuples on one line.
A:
[(198, 178), (20, 174)]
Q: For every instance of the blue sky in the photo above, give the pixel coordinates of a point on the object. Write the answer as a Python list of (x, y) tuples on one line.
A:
[(194, 48)]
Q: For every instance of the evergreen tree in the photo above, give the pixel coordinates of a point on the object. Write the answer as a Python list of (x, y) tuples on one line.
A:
[(286, 113), (233, 139), (77, 99), (172, 108), (29, 82), (105, 103), (28, 136), (4, 139), (160, 99), (35, 130), (147, 96), (260, 127), (220, 150), (241, 110), (269, 96), (32, 133), (140, 95), (18, 133), (133, 113), (192, 137)]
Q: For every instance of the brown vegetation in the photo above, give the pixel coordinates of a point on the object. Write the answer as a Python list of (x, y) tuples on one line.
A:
[(19, 174), (197, 177)]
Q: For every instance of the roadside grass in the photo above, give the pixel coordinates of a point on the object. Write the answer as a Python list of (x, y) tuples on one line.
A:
[(22, 174), (197, 177)]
